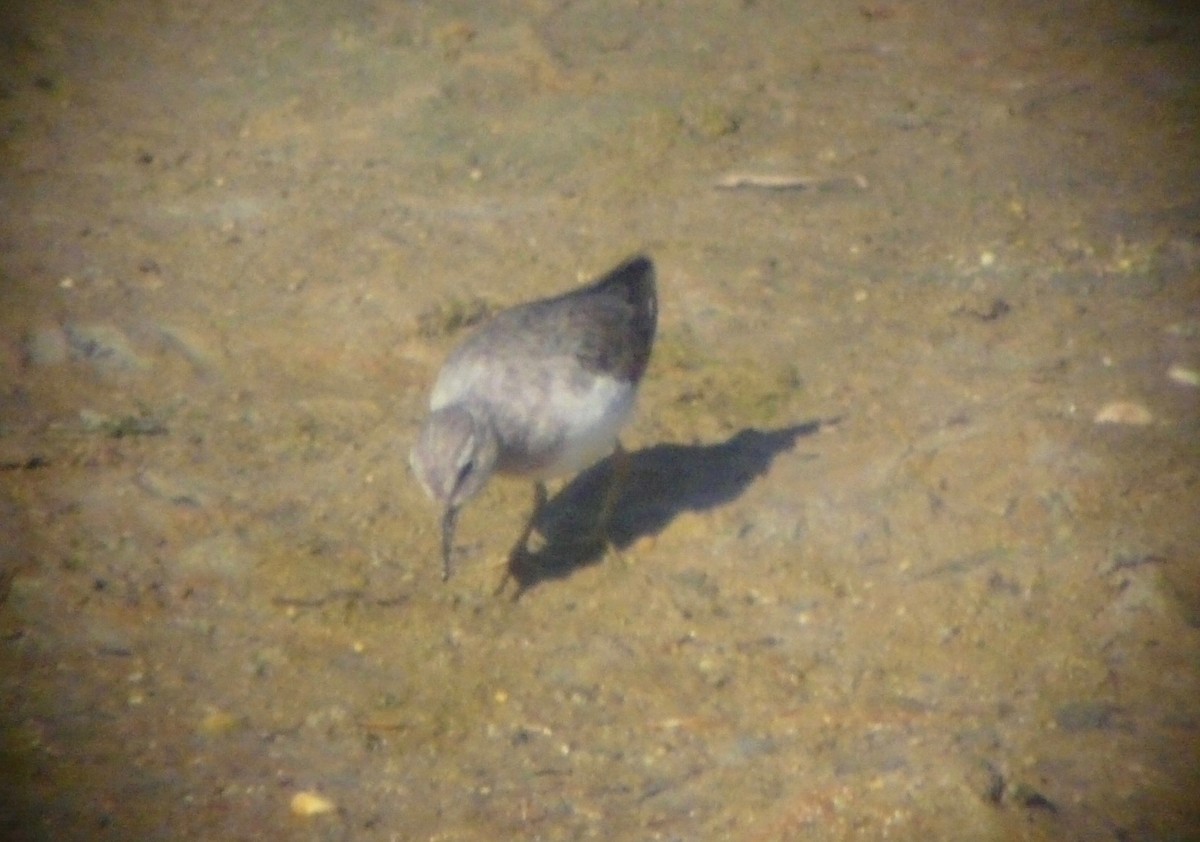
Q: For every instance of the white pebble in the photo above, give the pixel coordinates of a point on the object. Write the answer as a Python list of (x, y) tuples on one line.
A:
[(1124, 412), (1186, 376), (309, 803)]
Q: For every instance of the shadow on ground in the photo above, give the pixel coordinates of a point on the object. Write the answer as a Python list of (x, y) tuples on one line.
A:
[(663, 481)]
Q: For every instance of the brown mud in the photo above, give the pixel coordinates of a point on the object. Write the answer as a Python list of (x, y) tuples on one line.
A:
[(909, 544)]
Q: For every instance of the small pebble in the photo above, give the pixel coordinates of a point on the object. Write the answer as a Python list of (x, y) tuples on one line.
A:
[(218, 722), (1186, 376), (104, 346), (173, 489), (1124, 412), (224, 556), (309, 803)]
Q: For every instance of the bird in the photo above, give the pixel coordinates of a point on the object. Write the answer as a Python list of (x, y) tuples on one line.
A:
[(540, 390)]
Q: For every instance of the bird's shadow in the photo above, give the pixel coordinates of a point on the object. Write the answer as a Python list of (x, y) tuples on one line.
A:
[(662, 481)]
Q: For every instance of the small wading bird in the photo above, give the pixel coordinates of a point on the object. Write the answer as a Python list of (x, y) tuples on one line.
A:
[(540, 390)]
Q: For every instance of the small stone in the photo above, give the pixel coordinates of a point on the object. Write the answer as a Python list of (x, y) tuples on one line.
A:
[(1185, 330), (129, 425), (104, 346), (218, 722), (173, 489), (309, 803), (223, 556), (1186, 376), (1124, 412)]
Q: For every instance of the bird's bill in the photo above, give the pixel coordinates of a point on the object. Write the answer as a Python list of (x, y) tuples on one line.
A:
[(449, 522)]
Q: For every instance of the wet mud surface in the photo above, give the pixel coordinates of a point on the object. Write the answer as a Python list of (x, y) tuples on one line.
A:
[(908, 547)]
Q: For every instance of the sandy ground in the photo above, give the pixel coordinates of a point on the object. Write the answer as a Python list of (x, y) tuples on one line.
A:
[(909, 546)]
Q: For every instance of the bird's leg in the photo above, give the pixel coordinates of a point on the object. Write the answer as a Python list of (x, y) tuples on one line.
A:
[(521, 547), (520, 551), (616, 484)]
